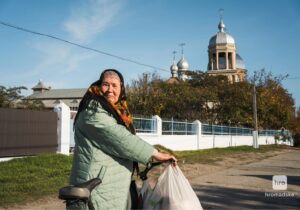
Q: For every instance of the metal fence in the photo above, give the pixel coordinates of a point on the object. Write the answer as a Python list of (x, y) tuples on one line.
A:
[(173, 127), (176, 127), (27, 132), (145, 125), (209, 129), (268, 132)]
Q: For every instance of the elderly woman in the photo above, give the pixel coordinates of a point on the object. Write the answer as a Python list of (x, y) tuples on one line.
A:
[(106, 146)]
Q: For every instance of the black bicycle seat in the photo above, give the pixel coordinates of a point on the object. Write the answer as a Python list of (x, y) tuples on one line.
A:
[(80, 191)]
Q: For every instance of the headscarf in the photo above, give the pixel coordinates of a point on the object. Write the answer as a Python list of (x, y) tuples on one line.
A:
[(119, 110)]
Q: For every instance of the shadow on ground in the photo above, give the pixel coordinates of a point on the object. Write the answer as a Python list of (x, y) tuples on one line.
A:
[(216, 197), (292, 180)]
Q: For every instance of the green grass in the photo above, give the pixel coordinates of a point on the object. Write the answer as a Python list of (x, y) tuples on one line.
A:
[(30, 178), (27, 179), (213, 155)]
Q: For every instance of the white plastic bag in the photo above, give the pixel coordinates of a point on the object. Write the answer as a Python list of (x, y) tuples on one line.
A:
[(172, 192), (145, 191)]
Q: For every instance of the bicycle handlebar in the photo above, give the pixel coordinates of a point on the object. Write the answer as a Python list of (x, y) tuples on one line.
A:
[(149, 166)]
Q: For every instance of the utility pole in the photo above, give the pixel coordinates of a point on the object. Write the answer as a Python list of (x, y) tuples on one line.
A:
[(255, 127)]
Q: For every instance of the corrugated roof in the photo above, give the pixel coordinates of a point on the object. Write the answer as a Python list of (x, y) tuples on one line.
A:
[(50, 103), (59, 94)]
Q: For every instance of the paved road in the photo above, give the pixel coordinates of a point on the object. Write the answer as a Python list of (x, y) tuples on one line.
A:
[(250, 186)]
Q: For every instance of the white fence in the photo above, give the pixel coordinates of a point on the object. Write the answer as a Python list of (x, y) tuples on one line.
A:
[(183, 135), (198, 139)]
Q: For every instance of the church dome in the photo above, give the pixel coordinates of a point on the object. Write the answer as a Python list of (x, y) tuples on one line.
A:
[(183, 64), (174, 68), (221, 37), (239, 63)]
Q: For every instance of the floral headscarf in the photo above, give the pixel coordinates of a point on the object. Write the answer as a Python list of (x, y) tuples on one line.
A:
[(119, 110)]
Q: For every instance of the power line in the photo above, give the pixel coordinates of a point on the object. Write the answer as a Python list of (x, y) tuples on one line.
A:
[(82, 46), (293, 78)]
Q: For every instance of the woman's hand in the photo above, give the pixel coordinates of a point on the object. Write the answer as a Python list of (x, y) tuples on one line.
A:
[(163, 157)]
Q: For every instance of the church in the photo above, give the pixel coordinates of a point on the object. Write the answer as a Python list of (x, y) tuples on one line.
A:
[(223, 59)]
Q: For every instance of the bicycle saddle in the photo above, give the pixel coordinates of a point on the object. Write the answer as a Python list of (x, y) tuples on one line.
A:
[(80, 191)]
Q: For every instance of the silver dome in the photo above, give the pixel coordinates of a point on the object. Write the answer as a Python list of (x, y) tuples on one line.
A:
[(174, 68), (221, 37), (239, 63), (183, 64)]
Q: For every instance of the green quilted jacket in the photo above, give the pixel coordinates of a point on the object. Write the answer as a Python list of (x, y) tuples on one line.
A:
[(106, 149)]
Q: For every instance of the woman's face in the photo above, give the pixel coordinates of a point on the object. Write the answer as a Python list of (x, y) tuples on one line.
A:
[(111, 87)]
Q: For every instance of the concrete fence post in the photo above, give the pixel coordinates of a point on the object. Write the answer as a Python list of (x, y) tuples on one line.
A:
[(255, 139), (63, 128), (158, 125), (198, 129)]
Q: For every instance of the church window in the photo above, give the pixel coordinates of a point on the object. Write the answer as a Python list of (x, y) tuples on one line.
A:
[(222, 60)]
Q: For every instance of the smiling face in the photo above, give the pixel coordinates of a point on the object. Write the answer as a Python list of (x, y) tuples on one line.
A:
[(111, 87)]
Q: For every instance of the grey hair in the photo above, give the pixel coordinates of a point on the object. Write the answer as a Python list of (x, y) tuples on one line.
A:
[(111, 74)]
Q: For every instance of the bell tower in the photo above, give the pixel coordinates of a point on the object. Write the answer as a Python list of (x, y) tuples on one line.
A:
[(222, 56)]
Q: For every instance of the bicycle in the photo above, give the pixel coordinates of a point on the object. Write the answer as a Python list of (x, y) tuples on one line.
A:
[(79, 196)]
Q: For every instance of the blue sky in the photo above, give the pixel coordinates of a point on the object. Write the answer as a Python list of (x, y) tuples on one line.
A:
[(266, 33)]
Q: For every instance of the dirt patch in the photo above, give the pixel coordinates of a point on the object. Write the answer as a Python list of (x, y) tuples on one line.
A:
[(47, 203), (221, 163)]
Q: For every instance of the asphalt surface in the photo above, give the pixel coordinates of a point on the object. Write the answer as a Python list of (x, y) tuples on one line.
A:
[(250, 186)]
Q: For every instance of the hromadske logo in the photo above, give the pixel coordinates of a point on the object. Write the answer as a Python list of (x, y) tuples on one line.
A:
[(279, 182)]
